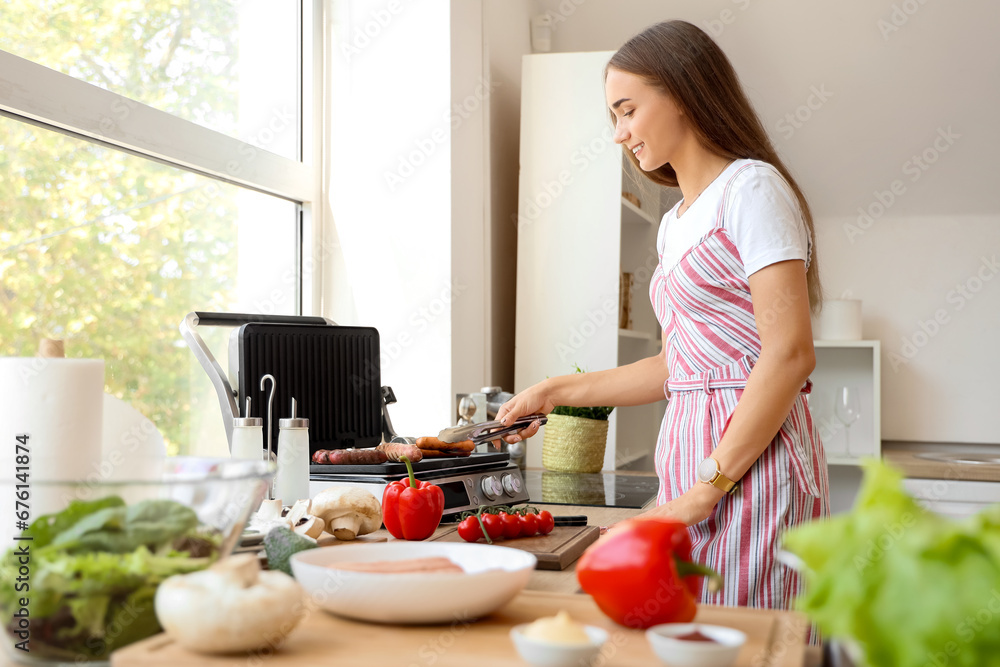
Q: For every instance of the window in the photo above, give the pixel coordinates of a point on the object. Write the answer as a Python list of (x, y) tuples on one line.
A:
[(142, 176)]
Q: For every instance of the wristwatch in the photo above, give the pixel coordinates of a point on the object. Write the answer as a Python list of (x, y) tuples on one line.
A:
[(708, 472)]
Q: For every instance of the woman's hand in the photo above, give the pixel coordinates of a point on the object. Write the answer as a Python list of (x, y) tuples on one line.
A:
[(535, 399), (693, 506)]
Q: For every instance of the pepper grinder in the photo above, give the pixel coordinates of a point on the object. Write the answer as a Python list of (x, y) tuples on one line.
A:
[(248, 434), (292, 480)]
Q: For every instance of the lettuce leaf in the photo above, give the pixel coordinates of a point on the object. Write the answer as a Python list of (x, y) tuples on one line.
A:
[(911, 588), (95, 568)]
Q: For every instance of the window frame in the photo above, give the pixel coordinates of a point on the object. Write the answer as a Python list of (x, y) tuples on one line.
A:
[(36, 94)]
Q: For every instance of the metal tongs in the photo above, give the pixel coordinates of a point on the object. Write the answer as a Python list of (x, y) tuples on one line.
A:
[(486, 431)]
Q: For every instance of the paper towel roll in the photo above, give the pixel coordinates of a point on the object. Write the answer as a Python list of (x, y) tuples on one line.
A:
[(840, 319), (58, 403)]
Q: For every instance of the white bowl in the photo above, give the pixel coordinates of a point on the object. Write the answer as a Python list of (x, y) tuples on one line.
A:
[(684, 653), (493, 576), (541, 653)]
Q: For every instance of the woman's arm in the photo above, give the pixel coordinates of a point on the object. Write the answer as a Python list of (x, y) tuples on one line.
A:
[(781, 310), (637, 383)]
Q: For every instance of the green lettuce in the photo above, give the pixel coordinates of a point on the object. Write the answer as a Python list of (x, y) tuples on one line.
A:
[(94, 569), (909, 587)]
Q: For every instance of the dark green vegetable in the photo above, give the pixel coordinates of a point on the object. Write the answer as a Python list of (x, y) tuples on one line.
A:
[(281, 544), (911, 588)]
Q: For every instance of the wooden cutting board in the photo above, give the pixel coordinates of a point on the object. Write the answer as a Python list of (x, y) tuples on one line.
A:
[(774, 638), (554, 551)]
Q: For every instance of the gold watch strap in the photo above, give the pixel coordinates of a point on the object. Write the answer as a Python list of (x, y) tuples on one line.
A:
[(720, 481)]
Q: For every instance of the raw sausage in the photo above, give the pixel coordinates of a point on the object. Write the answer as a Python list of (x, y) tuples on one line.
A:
[(422, 565), (357, 457), (429, 442), (394, 450)]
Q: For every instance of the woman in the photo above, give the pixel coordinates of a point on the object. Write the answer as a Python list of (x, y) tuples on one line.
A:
[(733, 292)]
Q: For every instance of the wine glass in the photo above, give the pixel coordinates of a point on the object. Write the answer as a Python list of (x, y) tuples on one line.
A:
[(847, 408)]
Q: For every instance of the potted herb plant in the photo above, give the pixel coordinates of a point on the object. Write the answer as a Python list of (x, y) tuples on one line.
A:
[(575, 438)]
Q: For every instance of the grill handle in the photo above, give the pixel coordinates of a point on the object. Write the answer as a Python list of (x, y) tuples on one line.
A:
[(227, 395)]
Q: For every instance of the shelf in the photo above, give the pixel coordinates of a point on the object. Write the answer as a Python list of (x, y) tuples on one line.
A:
[(846, 343), (632, 214), (631, 333)]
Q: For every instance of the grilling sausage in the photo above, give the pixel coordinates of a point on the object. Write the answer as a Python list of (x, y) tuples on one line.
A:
[(443, 453), (394, 450), (356, 457), (319, 456), (429, 442)]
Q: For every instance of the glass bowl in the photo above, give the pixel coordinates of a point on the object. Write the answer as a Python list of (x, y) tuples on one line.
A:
[(79, 582)]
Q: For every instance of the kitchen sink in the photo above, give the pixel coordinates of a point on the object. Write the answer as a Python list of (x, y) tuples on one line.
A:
[(964, 458)]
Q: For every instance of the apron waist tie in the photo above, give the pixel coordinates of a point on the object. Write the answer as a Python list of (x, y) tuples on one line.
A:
[(730, 376)]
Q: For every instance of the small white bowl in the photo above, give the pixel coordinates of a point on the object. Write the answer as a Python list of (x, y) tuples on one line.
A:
[(541, 653), (686, 653), (493, 576)]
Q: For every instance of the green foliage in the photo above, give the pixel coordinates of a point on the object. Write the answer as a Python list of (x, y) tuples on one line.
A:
[(910, 587), (105, 249), (598, 413)]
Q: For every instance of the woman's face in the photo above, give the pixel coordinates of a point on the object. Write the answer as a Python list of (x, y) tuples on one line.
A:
[(646, 119)]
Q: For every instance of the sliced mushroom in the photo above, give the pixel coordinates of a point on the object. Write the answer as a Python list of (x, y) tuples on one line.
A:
[(310, 526)]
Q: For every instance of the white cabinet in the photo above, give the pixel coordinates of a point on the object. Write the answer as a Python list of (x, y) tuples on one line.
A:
[(854, 364), (576, 234)]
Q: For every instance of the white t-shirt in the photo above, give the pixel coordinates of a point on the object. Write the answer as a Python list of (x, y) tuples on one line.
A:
[(762, 216)]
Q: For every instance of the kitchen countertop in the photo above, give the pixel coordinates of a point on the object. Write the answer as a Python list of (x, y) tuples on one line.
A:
[(910, 458), (321, 628)]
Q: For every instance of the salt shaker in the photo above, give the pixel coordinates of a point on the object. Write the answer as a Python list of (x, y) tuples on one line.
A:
[(292, 480), (248, 436)]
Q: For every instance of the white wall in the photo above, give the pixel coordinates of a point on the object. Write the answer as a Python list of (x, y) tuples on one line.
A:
[(885, 86), (405, 170), (506, 35)]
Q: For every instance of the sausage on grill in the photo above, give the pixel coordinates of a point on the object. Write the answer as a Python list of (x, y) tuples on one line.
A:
[(394, 450)]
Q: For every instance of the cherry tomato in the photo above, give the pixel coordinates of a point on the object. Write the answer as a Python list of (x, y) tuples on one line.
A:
[(469, 529), (511, 525), (546, 522), (494, 525), (529, 525)]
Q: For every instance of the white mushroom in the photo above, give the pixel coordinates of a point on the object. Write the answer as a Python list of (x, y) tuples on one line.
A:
[(232, 606), (348, 511), (310, 526)]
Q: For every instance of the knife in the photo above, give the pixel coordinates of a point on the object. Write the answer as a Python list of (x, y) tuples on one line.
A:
[(486, 431)]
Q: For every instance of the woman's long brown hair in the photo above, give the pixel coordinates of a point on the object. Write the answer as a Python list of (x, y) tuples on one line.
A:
[(685, 63)]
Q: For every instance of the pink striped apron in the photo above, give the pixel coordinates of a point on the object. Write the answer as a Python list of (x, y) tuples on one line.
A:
[(703, 304)]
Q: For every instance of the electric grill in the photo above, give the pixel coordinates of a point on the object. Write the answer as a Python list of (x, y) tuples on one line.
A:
[(334, 374)]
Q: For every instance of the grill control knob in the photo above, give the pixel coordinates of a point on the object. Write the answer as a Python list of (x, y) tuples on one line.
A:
[(511, 485), (491, 487)]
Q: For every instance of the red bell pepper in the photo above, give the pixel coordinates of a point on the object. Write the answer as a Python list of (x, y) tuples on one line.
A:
[(641, 574), (412, 510)]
